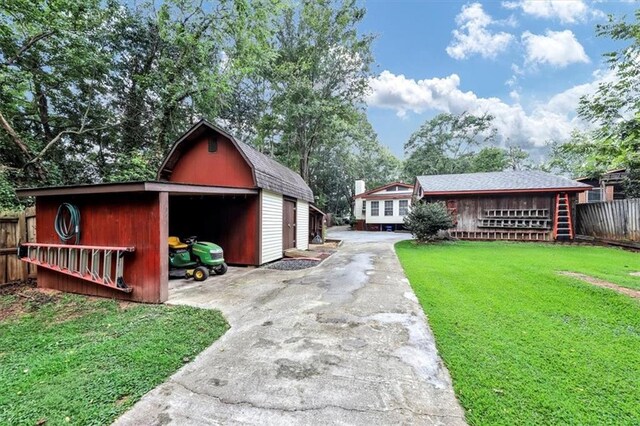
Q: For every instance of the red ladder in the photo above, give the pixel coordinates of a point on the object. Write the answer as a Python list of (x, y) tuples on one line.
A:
[(89, 263), (562, 225)]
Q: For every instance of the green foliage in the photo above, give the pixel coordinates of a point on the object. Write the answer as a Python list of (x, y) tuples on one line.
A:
[(358, 155), (133, 168), (84, 86), (96, 91), (525, 345), (315, 82), (8, 199), (615, 107), (425, 220), (91, 360), (447, 144), (488, 159)]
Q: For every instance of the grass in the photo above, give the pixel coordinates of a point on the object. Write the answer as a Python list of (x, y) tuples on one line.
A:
[(68, 359), (525, 345)]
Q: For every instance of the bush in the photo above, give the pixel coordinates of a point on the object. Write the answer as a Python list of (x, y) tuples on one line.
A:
[(426, 219)]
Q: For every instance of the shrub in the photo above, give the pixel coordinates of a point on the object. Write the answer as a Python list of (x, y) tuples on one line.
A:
[(426, 219)]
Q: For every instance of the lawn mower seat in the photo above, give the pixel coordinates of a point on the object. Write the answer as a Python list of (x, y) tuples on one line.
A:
[(176, 244)]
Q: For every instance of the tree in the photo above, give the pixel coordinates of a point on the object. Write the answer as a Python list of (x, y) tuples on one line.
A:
[(96, 90), (489, 159), (615, 107), (516, 157), (52, 67), (446, 144), (358, 155), (318, 77), (425, 220), (575, 157)]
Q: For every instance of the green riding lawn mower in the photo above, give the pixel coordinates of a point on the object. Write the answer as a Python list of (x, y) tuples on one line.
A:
[(195, 259)]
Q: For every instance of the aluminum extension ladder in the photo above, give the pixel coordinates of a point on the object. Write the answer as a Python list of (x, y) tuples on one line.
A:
[(89, 263)]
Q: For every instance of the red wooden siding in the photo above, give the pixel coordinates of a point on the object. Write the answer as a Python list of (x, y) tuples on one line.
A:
[(231, 222), (225, 167), (137, 220)]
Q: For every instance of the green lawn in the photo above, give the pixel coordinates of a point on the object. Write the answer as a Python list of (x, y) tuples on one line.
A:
[(74, 360), (525, 345)]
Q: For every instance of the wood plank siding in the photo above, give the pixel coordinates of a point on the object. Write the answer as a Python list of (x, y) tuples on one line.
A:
[(302, 225), (271, 226), (471, 214), (107, 221), (224, 167)]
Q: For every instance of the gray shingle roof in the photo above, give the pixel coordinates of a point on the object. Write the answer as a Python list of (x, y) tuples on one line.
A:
[(497, 181), (269, 174), (274, 176)]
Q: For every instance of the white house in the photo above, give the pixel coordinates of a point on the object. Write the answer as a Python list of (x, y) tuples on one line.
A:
[(382, 208)]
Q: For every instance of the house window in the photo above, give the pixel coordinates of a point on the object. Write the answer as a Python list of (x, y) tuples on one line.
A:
[(594, 195), (388, 208), (375, 208), (364, 207), (404, 207)]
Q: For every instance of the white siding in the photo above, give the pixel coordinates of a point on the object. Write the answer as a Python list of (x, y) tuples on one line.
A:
[(357, 209), (270, 226), (381, 218), (302, 225)]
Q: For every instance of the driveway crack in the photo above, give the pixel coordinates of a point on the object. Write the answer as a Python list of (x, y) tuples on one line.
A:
[(316, 408)]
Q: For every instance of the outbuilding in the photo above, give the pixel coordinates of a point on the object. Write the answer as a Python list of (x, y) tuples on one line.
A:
[(210, 185), (513, 205)]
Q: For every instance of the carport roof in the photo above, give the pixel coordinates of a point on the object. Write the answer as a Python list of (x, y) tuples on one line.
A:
[(142, 186)]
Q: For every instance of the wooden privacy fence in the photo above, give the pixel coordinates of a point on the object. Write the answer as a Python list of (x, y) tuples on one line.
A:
[(15, 228), (614, 220)]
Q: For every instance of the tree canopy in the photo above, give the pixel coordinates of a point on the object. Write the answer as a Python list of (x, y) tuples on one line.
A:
[(96, 91)]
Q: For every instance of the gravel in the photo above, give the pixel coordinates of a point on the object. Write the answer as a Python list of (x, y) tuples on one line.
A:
[(293, 264)]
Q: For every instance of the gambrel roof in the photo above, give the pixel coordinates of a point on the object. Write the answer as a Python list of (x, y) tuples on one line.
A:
[(267, 172)]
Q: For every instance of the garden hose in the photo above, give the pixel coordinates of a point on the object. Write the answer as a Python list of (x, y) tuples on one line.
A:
[(67, 225)]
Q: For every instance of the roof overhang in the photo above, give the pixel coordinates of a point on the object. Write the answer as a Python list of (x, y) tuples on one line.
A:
[(507, 191), (404, 196), (315, 209), (381, 188), (131, 187)]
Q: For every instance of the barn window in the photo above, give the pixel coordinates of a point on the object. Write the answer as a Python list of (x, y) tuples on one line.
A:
[(404, 207), (388, 208), (375, 208), (213, 145)]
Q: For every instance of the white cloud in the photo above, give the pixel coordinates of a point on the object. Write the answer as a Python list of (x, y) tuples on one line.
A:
[(566, 11), (533, 127), (557, 48), (473, 37)]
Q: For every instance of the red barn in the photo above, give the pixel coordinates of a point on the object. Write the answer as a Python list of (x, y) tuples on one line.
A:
[(209, 185)]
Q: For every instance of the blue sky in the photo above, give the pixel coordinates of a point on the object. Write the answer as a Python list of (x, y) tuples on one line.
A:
[(525, 62)]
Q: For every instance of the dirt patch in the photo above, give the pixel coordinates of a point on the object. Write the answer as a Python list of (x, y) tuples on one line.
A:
[(22, 298), (602, 283), (635, 274)]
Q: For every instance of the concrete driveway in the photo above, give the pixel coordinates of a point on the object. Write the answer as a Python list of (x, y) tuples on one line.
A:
[(342, 343)]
